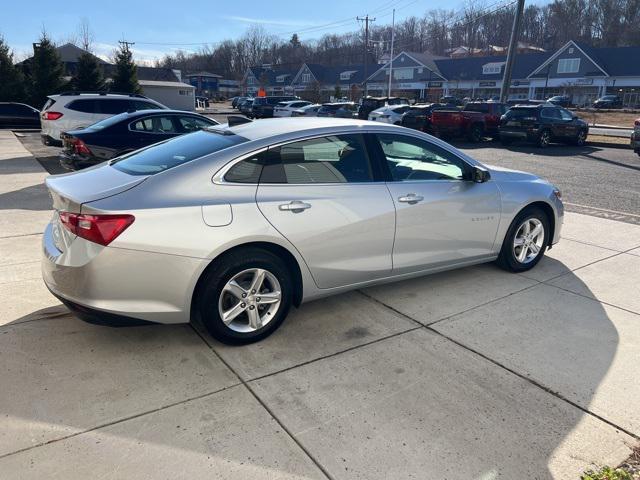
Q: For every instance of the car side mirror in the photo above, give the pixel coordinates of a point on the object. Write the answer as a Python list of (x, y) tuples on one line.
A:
[(479, 175)]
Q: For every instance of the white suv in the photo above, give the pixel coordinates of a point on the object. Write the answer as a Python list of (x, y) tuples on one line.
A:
[(72, 110)]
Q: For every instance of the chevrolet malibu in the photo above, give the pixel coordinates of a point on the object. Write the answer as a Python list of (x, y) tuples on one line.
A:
[(233, 225)]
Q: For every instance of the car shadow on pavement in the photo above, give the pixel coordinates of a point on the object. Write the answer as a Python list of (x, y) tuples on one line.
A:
[(479, 394), (33, 197)]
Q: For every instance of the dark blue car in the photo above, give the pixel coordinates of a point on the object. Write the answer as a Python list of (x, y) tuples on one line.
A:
[(125, 133)]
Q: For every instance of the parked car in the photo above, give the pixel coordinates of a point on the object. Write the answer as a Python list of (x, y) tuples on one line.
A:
[(418, 116), (608, 101), (263, 106), (475, 121), (560, 101), (542, 124), (389, 114), (73, 110), (124, 133), (237, 101), (217, 227), (310, 110), (369, 104), (246, 106), (635, 137), (338, 110), (18, 115), (284, 109)]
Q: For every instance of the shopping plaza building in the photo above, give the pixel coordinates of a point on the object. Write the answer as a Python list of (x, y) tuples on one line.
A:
[(582, 72)]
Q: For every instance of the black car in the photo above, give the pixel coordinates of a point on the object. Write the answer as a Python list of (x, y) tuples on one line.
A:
[(542, 124), (263, 106), (608, 101), (369, 104), (236, 101), (338, 110), (125, 133), (245, 106), (419, 116), (18, 115), (560, 100)]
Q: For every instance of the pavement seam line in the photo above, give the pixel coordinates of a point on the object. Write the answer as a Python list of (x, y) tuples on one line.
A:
[(120, 420), (330, 355), (593, 299), (519, 375), (315, 461)]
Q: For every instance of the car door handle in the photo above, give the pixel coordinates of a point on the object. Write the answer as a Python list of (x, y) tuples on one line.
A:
[(294, 206), (411, 198)]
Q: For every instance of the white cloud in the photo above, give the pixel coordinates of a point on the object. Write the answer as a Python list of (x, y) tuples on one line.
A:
[(142, 56)]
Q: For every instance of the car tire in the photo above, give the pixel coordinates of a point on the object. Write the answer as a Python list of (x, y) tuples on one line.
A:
[(511, 256), (581, 139), (475, 134), (544, 139), (230, 277)]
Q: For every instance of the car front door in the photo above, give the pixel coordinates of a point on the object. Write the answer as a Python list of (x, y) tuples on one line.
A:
[(570, 123), (322, 195), (552, 119), (442, 217)]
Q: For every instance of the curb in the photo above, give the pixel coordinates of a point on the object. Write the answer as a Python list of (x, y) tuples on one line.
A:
[(622, 146)]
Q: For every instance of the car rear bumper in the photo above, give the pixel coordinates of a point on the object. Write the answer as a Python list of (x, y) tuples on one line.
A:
[(529, 135), (76, 162), (121, 286)]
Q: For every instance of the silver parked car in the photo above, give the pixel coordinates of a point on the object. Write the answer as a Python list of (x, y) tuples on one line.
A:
[(233, 225)]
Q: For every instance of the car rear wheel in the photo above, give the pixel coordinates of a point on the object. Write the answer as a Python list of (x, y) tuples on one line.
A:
[(544, 139), (245, 296), (525, 241)]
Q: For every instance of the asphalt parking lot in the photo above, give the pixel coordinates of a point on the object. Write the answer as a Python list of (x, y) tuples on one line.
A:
[(469, 374)]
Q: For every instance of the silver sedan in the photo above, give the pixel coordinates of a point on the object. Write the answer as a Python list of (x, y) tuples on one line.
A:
[(234, 224)]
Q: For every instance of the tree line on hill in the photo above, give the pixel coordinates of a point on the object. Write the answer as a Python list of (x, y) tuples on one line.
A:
[(596, 22), (44, 74)]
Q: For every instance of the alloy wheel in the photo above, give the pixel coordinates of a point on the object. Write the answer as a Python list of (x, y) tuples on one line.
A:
[(582, 137), (250, 300), (544, 138), (528, 240)]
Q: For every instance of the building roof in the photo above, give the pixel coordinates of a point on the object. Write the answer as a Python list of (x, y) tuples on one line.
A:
[(70, 53), (272, 72), (331, 74), (156, 83), (470, 68), (203, 74), (616, 61)]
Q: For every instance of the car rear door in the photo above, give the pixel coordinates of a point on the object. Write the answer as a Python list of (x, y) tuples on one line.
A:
[(441, 217), (324, 195)]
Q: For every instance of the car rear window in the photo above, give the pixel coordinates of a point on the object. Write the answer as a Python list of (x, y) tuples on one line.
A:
[(165, 155)]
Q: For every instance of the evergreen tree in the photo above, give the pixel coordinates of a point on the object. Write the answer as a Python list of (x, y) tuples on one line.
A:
[(125, 78), (337, 92), (12, 86), (46, 72), (88, 77)]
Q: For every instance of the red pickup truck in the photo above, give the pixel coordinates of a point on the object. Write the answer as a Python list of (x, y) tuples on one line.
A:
[(475, 121)]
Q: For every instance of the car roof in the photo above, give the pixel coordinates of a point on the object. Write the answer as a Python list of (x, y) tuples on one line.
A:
[(279, 126)]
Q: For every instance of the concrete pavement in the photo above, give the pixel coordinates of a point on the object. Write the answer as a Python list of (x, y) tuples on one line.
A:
[(474, 373)]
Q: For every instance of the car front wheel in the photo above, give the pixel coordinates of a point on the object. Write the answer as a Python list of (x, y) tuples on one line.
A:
[(581, 139), (525, 241), (544, 139), (245, 296)]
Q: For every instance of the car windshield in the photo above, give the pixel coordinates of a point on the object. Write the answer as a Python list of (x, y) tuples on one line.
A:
[(107, 122), (171, 153)]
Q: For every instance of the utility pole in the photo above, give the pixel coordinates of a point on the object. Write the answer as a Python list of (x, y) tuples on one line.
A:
[(511, 54), (366, 21), (126, 44), (393, 26)]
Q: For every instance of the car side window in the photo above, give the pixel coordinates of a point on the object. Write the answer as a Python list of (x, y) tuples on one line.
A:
[(565, 114), (247, 170), (154, 125), (330, 159), (191, 124), (551, 113), (412, 159), (85, 106), (113, 106)]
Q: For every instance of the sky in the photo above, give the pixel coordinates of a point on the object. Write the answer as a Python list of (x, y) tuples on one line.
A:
[(163, 26)]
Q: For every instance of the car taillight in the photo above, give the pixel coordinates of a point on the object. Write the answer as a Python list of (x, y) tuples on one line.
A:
[(637, 123), (80, 147), (101, 229), (51, 115)]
